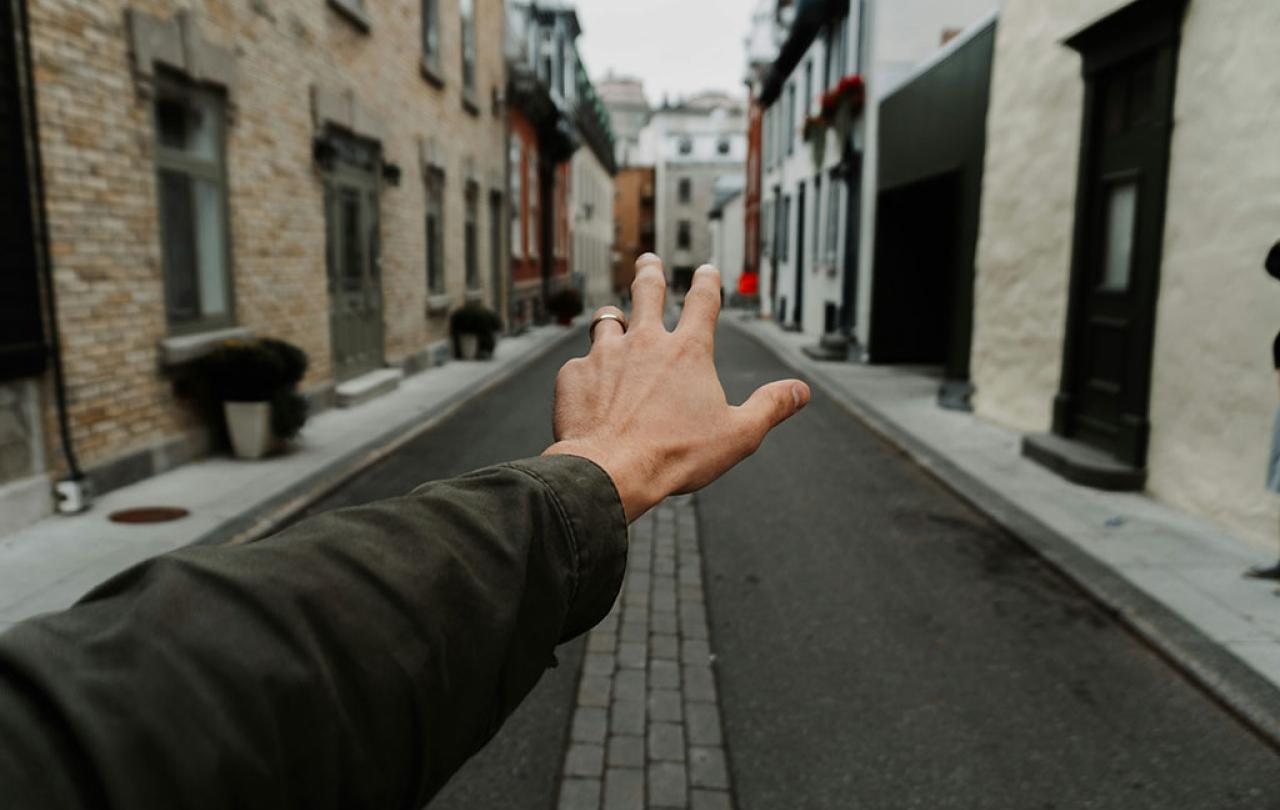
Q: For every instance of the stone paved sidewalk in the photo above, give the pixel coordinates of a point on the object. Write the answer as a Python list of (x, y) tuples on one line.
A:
[(646, 728), (49, 565)]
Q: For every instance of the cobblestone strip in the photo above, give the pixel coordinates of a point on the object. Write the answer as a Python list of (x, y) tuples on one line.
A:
[(646, 727)]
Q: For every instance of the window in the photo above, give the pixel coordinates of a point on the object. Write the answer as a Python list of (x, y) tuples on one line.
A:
[(1117, 259), (859, 60), (686, 146), (791, 118), (684, 234), (431, 37), (784, 222), (766, 228), (808, 87), (495, 242), (723, 146), (435, 231), (534, 185), (471, 236), (192, 203), (516, 172), (833, 222), (467, 11), (685, 189)]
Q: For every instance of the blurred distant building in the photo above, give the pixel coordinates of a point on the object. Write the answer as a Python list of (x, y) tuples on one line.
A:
[(592, 198), (629, 111), (317, 171), (727, 219), (634, 211), (692, 143)]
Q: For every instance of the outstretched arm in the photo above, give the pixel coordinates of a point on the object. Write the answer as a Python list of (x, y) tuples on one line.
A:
[(358, 658)]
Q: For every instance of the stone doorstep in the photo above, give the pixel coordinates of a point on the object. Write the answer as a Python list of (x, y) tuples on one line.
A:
[(367, 386)]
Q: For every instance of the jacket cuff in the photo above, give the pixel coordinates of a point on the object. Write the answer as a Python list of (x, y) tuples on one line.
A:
[(596, 532)]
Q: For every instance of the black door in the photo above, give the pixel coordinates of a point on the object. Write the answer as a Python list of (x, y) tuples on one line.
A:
[(355, 285), (1119, 230), (799, 305)]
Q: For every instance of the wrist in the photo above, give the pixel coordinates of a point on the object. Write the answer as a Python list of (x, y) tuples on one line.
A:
[(634, 480)]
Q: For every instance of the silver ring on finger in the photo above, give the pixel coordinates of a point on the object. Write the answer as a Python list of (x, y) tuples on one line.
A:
[(606, 316)]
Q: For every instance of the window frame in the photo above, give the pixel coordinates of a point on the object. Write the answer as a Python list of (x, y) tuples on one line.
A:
[(684, 190), (471, 235), (167, 159), (435, 248), (432, 63), (684, 234), (469, 50)]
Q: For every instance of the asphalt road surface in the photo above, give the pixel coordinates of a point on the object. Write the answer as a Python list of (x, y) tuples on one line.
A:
[(879, 644)]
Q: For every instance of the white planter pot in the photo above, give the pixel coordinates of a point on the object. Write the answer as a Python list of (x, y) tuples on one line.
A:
[(469, 346), (249, 424)]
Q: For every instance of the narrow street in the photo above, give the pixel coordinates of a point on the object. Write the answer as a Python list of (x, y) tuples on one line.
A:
[(877, 643)]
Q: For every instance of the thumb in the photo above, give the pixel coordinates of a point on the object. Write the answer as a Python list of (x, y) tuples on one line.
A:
[(772, 404)]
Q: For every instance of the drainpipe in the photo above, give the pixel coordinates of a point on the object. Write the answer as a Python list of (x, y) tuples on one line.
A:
[(72, 491)]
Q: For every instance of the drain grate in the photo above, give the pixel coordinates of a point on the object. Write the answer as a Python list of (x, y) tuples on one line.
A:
[(148, 514)]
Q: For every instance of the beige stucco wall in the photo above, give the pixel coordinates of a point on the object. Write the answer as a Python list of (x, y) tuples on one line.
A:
[(1212, 389), (591, 210)]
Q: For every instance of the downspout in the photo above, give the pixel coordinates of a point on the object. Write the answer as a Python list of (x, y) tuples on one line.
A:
[(71, 491)]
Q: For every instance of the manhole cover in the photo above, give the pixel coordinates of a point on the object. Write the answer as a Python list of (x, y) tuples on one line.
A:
[(148, 514)]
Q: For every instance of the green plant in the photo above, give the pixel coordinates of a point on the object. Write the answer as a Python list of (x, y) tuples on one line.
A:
[(260, 370), (566, 304), (474, 319)]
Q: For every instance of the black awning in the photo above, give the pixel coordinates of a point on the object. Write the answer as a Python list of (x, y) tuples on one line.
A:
[(811, 15)]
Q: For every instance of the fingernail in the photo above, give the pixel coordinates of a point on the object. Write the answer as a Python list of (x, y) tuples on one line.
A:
[(800, 394)]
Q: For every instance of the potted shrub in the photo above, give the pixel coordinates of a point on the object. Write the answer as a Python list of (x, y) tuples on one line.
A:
[(474, 329), (565, 305), (256, 382)]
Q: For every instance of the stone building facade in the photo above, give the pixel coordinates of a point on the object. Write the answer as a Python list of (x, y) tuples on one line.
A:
[(306, 169), (1178, 386), (634, 227), (692, 144)]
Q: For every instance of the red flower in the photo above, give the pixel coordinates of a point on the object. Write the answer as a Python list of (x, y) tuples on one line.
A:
[(850, 88), (749, 283)]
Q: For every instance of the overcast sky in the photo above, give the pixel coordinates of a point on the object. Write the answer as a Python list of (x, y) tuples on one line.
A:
[(677, 46)]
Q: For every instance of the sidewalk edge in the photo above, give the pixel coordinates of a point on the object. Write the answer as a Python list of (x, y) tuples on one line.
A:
[(1228, 680), (270, 515)]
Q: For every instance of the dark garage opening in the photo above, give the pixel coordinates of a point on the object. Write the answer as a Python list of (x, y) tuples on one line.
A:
[(917, 246)]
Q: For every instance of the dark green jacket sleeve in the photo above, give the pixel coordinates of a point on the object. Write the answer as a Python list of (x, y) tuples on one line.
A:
[(354, 660)]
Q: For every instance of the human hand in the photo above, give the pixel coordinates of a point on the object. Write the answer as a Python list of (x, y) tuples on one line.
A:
[(647, 405)]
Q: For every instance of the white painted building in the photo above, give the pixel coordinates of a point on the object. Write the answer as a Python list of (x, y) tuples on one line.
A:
[(813, 277), (1147, 340), (591, 227), (691, 144), (727, 219)]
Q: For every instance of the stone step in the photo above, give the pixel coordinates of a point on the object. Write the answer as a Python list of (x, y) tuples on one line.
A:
[(367, 387)]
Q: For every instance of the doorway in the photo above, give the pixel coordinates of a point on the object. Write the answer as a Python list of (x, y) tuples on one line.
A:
[(351, 242), (800, 243), (916, 268), (1106, 377)]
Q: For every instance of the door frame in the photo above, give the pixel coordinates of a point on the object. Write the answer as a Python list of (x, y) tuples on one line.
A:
[(1140, 27), (355, 164)]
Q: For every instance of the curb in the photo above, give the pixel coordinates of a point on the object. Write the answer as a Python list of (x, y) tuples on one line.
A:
[(272, 514), (1238, 688)]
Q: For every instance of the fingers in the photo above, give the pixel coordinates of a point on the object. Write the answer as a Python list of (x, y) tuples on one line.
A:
[(648, 291), (769, 406), (702, 304), (607, 328)]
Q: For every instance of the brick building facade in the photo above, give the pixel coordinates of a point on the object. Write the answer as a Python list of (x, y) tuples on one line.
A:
[(307, 169)]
